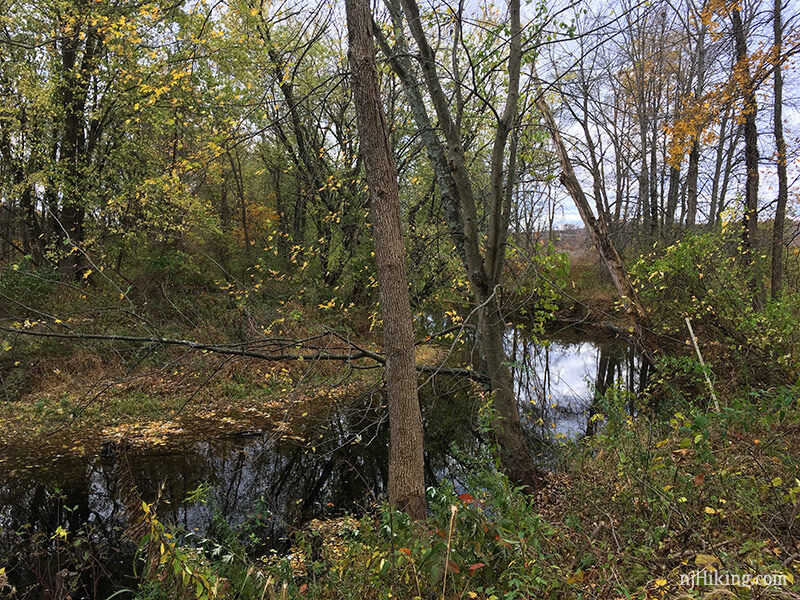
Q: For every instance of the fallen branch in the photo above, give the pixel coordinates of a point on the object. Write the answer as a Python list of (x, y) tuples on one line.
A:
[(217, 349)]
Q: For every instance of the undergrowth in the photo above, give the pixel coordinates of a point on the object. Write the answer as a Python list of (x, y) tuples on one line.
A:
[(642, 502)]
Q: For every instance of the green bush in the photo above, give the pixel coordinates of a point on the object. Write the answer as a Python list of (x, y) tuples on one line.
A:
[(175, 267), (703, 277), (24, 283)]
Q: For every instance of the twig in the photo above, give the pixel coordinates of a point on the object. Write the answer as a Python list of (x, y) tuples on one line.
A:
[(453, 511), (703, 364), (587, 544)]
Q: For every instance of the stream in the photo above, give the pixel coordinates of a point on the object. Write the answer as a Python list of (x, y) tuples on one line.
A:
[(275, 484)]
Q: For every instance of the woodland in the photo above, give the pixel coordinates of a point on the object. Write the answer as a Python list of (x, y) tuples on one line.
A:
[(399, 299)]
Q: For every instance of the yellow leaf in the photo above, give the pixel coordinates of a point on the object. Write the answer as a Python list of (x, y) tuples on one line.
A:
[(576, 578), (705, 560)]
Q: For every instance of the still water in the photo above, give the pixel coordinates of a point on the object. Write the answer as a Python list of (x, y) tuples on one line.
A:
[(334, 462)]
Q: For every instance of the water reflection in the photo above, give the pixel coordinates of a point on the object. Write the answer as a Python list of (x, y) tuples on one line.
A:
[(332, 461), (557, 383)]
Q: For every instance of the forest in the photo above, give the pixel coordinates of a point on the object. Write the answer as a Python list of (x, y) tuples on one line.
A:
[(399, 299)]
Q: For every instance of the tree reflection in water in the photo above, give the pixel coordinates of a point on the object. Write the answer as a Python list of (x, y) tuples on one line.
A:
[(334, 461)]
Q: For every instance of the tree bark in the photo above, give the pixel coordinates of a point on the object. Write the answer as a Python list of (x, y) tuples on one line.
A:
[(644, 176), (673, 192), (712, 212), (780, 143), (694, 154), (406, 458), (750, 233), (728, 170), (691, 184), (483, 268), (73, 152)]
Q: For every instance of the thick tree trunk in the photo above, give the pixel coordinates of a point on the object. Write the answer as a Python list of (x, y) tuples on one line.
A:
[(780, 143), (71, 214), (74, 151), (514, 452), (672, 194), (406, 458)]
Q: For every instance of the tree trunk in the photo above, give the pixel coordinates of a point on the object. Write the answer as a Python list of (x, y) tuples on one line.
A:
[(653, 202), (712, 211), (458, 199), (750, 233), (71, 214), (283, 229), (406, 458), (238, 180), (644, 176), (691, 185), (694, 154), (598, 232), (514, 452), (780, 143), (728, 170), (74, 152), (672, 194)]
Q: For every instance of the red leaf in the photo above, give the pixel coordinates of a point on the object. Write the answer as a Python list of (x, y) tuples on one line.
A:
[(303, 588), (453, 567), (699, 479), (466, 498), (474, 567)]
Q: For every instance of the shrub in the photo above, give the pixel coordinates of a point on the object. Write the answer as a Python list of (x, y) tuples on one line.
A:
[(702, 277)]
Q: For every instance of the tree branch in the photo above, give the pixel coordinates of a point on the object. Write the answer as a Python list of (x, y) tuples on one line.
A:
[(216, 349)]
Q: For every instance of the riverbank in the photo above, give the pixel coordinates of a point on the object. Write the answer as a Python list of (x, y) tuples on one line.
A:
[(267, 477), (71, 395), (702, 492)]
